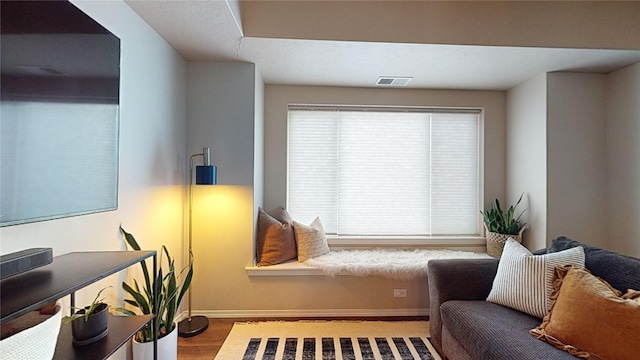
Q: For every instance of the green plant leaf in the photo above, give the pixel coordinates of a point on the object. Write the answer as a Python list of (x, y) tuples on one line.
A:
[(186, 283), (92, 307), (135, 246), (123, 311), (139, 299), (503, 222), (87, 310)]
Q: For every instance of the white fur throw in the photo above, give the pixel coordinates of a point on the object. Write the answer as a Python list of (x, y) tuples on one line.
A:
[(395, 264)]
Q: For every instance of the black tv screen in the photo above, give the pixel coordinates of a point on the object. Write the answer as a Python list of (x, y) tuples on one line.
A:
[(59, 112)]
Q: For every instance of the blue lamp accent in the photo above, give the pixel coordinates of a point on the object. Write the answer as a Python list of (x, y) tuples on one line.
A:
[(206, 175)]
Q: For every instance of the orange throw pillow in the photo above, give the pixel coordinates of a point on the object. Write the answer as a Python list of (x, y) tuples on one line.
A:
[(590, 319), (275, 239)]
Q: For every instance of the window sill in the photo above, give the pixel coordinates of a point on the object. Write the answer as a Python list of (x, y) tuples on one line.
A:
[(291, 268)]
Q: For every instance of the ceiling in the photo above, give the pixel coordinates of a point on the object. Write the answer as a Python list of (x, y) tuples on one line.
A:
[(213, 31)]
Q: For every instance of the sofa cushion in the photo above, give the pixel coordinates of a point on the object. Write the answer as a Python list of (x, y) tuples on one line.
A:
[(491, 331), (452, 347), (524, 281), (621, 272)]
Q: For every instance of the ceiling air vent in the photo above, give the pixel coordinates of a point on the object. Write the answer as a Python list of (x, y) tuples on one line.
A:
[(393, 81)]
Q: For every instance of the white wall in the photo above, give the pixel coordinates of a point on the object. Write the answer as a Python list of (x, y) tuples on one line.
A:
[(223, 114), (152, 154), (258, 151), (623, 159), (576, 157), (526, 156), (573, 146)]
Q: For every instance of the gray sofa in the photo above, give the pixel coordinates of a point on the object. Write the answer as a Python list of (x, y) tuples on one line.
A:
[(465, 326)]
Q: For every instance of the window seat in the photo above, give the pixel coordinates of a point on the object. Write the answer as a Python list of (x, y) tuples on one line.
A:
[(289, 268), (395, 264)]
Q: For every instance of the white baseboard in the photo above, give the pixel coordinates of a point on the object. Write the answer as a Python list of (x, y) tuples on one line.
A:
[(321, 313), (181, 316)]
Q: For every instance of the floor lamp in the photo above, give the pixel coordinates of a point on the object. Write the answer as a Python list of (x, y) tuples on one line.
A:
[(205, 175)]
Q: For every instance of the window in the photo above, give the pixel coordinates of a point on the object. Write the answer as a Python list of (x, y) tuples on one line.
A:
[(385, 171)]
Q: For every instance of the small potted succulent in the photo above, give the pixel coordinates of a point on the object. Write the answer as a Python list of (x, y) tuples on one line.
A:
[(89, 324), (501, 225)]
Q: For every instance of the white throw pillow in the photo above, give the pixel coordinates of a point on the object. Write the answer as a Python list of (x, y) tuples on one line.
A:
[(311, 240), (524, 281)]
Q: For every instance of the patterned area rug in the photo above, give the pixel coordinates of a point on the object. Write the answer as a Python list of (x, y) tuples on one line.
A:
[(329, 340)]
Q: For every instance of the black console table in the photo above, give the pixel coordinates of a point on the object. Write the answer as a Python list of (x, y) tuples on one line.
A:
[(68, 273)]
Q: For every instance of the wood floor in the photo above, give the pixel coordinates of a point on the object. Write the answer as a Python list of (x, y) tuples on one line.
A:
[(207, 344)]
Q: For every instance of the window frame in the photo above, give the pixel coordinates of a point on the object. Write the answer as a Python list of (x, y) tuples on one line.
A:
[(464, 242)]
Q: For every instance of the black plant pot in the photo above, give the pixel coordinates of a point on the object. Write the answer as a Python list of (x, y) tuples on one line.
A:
[(88, 331)]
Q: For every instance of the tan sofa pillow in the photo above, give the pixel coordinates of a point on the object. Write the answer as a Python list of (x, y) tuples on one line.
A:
[(275, 239), (590, 319)]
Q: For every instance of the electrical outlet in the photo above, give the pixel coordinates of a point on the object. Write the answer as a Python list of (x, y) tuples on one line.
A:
[(399, 292)]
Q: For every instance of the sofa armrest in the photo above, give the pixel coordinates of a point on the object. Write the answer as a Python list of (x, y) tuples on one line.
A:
[(456, 279)]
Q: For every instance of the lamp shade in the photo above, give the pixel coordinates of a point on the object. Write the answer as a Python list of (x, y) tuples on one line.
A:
[(206, 175)]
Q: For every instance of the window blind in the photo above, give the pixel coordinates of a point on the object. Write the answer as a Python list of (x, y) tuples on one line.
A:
[(385, 171)]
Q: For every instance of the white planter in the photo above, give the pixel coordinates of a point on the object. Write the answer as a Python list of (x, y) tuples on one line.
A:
[(167, 348), (37, 341)]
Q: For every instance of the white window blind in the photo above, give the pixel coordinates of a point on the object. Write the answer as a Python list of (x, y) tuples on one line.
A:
[(395, 172)]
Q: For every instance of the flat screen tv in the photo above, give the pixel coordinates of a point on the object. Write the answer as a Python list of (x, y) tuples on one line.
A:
[(59, 112)]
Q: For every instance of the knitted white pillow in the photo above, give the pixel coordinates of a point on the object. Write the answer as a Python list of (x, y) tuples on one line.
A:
[(524, 281), (311, 240)]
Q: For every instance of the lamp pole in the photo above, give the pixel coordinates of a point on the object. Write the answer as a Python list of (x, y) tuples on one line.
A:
[(205, 175)]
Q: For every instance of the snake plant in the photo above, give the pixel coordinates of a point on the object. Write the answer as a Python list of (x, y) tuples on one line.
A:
[(87, 310), (503, 222), (169, 293)]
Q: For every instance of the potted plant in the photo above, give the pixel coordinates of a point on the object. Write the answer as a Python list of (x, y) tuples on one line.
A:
[(501, 225), (89, 324), (169, 295)]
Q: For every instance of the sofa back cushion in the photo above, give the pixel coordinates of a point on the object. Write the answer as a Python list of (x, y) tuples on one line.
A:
[(622, 272)]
